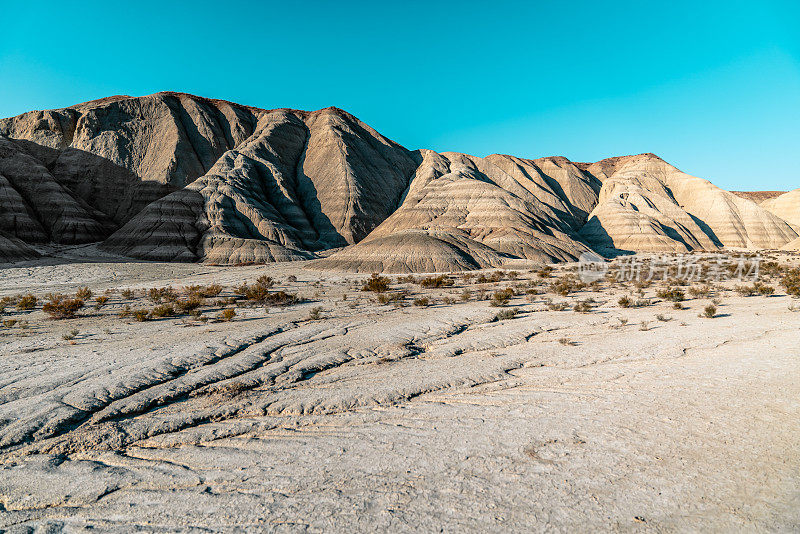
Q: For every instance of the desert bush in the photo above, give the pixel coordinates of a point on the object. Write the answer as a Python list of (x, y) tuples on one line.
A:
[(791, 282), (465, 295), (502, 297), (265, 281), (26, 303), (644, 326), (164, 310), (100, 301), (566, 341), (8, 323), (764, 289), (566, 285), (83, 293), (556, 306), (746, 291), (545, 271), (209, 291), (282, 298), (159, 294), (583, 306), (700, 291), (190, 303), (625, 302), (125, 311), (291, 278), (227, 315), (435, 282), (392, 297), (422, 301), (710, 311), (502, 315), (61, 307), (672, 294), (141, 315), (663, 318), (376, 283), (72, 334), (128, 293), (315, 314), (494, 277), (678, 306)]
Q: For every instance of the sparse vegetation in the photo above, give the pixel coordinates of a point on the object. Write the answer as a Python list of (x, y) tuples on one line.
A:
[(141, 315), (672, 294), (72, 334), (61, 307), (502, 315), (83, 293), (315, 314), (227, 315), (710, 311), (128, 293), (584, 306), (791, 282), (376, 284), (100, 301), (436, 282), (502, 297), (164, 310), (567, 341), (27, 303), (422, 301)]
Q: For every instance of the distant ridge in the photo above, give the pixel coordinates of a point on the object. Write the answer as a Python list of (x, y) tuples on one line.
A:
[(176, 177)]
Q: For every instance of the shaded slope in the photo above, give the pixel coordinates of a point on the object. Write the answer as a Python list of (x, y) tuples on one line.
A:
[(303, 182), (490, 215)]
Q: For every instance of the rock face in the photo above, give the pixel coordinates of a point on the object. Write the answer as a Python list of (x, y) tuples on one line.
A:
[(466, 212), (175, 177), (785, 206), (647, 205), (301, 183)]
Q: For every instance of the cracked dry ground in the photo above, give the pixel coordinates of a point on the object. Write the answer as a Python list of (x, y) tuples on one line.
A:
[(409, 419)]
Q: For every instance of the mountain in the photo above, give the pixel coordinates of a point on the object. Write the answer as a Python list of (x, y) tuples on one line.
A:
[(175, 177)]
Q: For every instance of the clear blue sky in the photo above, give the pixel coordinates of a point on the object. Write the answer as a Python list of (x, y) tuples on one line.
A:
[(712, 87)]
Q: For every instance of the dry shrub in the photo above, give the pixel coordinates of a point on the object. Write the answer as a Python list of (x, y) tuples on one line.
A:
[(791, 282), (61, 307), (164, 310), (566, 285), (710, 311), (83, 293), (700, 291), (26, 303), (506, 314), (128, 293), (159, 294), (435, 282), (502, 297), (100, 301), (227, 315), (141, 315), (585, 306), (672, 294), (422, 301), (315, 314), (376, 283), (190, 303)]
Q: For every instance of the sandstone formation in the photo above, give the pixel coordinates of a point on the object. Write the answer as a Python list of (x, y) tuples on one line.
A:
[(647, 205), (302, 182), (175, 177), (466, 212), (785, 206)]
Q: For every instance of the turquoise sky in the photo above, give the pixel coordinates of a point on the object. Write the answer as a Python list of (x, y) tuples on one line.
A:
[(712, 87)]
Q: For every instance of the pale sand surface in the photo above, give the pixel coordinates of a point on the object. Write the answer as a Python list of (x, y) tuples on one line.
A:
[(378, 418)]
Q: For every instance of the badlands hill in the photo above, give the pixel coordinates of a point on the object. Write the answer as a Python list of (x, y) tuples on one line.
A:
[(174, 177)]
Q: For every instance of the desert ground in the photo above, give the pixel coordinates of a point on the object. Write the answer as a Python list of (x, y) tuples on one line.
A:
[(331, 408)]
